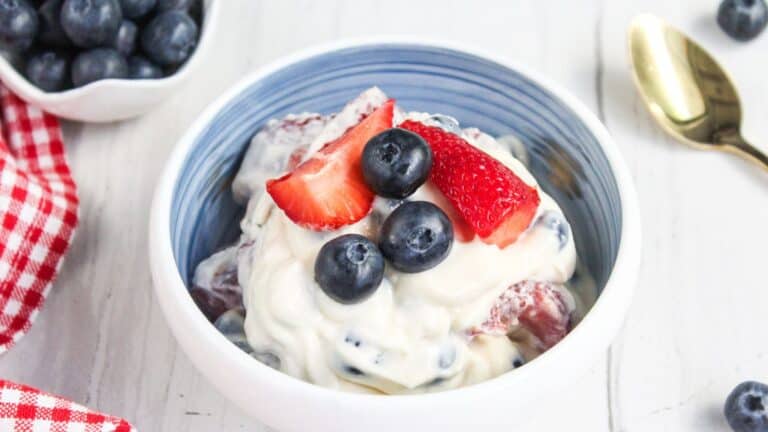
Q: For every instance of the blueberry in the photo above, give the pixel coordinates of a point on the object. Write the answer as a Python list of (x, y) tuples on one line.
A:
[(91, 23), (745, 408), (180, 5), (51, 32), (242, 343), (125, 38), (231, 322), (517, 362), (136, 8), (555, 222), (170, 38), (18, 25), (49, 70), (349, 268), (98, 64), (192, 7), (267, 358), (742, 19), (416, 236), (396, 162), (141, 68)]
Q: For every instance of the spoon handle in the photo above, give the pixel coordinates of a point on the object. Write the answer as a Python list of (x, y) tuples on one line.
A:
[(752, 153), (747, 150)]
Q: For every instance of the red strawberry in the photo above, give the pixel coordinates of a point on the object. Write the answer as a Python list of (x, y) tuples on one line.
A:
[(327, 191), (461, 229), (539, 307), (496, 203), (517, 222)]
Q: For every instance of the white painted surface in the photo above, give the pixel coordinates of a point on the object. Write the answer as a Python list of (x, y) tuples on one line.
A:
[(694, 331)]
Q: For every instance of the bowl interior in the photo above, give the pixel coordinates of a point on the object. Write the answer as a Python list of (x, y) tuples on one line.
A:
[(564, 155)]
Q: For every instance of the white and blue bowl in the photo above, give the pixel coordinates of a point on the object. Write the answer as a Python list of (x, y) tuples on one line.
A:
[(570, 153)]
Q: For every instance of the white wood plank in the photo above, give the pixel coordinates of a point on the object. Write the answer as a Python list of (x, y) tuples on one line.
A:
[(692, 332), (689, 338)]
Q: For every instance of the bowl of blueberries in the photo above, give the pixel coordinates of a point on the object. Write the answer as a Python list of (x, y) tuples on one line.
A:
[(101, 60)]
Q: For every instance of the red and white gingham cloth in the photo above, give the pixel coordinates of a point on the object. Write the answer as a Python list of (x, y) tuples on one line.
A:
[(25, 409), (38, 216), (38, 212)]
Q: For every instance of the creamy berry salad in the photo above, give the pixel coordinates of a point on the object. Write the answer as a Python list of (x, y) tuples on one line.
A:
[(387, 251)]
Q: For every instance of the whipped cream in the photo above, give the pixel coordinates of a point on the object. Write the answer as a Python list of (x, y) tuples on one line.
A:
[(413, 334)]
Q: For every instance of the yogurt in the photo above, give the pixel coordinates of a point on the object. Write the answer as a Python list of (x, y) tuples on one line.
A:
[(418, 332)]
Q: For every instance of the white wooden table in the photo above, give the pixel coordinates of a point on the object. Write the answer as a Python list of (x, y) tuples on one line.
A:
[(696, 326)]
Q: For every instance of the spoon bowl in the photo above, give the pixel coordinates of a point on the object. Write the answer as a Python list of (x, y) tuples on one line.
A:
[(688, 93)]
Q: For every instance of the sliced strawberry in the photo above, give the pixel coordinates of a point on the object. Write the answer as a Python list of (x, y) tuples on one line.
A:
[(461, 229), (514, 224), (327, 191), (496, 203), (541, 308)]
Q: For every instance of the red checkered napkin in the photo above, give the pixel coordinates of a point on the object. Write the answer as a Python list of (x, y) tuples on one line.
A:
[(25, 409), (38, 216), (38, 212)]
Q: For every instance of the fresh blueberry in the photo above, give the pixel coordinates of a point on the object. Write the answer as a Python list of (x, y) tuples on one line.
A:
[(231, 322), (141, 68), (49, 70), (18, 25), (170, 38), (416, 236), (517, 362), (396, 162), (192, 7), (241, 342), (445, 122), (51, 32), (91, 23), (125, 38), (267, 358), (349, 268), (742, 19), (745, 408), (136, 8), (98, 64), (555, 222), (179, 5)]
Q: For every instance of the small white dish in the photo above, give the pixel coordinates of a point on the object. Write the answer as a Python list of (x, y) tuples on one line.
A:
[(112, 99)]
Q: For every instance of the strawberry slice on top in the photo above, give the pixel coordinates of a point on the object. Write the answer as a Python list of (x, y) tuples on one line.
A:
[(492, 199), (328, 191)]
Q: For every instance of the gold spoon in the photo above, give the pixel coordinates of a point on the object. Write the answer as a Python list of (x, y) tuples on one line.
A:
[(686, 91)]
